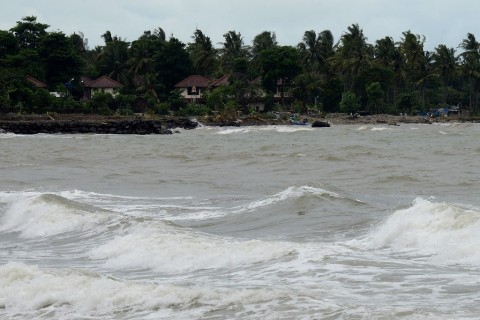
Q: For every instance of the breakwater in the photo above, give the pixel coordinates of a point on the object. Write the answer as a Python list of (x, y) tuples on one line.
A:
[(130, 126)]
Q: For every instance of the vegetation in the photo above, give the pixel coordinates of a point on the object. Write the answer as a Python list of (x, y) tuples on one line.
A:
[(317, 75)]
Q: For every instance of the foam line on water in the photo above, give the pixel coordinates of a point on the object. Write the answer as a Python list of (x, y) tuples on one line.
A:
[(445, 233)]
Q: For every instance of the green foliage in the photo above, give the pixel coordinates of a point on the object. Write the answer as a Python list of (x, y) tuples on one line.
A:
[(193, 109), (163, 108), (349, 103), (332, 95), (219, 97), (101, 103), (279, 63), (407, 102), (375, 97), (388, 76)]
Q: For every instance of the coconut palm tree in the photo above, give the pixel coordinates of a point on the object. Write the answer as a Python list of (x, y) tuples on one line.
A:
[(204, 56), (113, 57), (233, 49), (309, 50), (445, 64), (411, 47), (471, 66), (262, 41), (353, 55)]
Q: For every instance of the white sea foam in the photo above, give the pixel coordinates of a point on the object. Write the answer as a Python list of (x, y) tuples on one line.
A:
[(28, 291), (289, 193), (380, 129), (280, 129), (444, 232), (40, 215), (168, 249)]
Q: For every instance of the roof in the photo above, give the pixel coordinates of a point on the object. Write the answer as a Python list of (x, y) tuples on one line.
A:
[(86, 81), (223, 81), (105, 82), (37, 83), (193, 81)]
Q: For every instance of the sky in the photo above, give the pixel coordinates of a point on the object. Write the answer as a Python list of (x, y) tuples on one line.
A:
[(440, 21)]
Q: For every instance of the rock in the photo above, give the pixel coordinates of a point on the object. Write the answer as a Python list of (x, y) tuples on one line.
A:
[(320, 124)]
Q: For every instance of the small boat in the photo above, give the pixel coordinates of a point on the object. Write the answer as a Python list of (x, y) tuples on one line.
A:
[(299, 122)]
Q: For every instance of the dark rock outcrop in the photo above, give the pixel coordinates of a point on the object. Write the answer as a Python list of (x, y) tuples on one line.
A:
[(133, 126), (320, 124)]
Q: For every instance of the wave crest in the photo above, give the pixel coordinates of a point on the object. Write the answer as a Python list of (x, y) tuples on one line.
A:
[(444, 232)]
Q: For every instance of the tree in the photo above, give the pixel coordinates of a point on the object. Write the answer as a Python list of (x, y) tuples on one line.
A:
[(307, 88), (233, 49), (354, 54), (8, 44), (29, 32), (471, 67), (349, 103), (388, 57), (61, 60), (375, 96), (310, 50), (203, 55), (261, 42), (113, 57), (411, 48), (445, 65), (279, 64), (172, 63)]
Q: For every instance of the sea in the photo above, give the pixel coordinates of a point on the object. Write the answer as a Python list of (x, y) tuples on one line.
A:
[(262, 222)]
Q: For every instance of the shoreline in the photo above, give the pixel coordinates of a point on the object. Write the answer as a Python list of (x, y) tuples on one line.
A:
[(81, 123)]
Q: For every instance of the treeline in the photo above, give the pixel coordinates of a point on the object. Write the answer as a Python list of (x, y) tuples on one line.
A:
[(348, 74)]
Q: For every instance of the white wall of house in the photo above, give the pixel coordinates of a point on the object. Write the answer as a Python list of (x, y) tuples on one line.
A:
[(186, 95), (112, 91)]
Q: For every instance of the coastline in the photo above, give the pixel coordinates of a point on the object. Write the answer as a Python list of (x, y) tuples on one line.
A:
[(82, 123)]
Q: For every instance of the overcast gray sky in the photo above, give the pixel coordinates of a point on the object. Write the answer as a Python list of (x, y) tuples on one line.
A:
[(440, 21)]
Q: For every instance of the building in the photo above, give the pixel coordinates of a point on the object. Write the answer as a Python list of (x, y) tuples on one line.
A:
[(103, 84), (37, 83), (193, 87)]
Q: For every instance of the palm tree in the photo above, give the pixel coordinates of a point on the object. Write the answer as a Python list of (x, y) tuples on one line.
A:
[(141, 61), (204, 56), (150, 87), (471, 66), (387, 56), (263, 41), (309, 49), (411, 48), (316, 49), (113, 57), (233, 49), (354, 55), (445, 64), (326, 49)]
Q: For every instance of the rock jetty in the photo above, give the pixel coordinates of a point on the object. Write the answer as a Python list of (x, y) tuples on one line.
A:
[(102, 126)]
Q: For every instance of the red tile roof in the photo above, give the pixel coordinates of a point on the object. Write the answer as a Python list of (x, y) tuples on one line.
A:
[(37, 83), (105, 82), (86, 81), (223, 81), (193, 81)]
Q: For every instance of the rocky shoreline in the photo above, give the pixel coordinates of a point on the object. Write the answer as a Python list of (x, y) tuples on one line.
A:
[(74, 124), (77, 123)]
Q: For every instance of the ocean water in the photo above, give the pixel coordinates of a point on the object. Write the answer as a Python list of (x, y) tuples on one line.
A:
[(274, 222)]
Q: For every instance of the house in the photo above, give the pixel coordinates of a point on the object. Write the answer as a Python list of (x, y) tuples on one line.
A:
[(103, 84), (223, 81), (282, 94), (37, 83), (193, 87)]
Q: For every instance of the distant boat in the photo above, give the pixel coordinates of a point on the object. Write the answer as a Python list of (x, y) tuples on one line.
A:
[(298, 122)]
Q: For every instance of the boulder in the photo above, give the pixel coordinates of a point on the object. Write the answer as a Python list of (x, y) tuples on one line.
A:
[(320, 124)]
